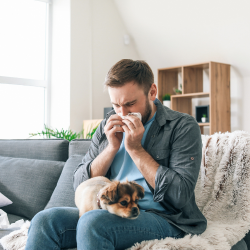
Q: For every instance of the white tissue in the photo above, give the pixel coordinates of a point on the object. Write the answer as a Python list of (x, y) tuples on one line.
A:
[(5, 224), (135, 114)]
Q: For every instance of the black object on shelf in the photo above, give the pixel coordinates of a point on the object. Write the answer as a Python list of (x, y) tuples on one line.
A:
[(200, 110), (106, 110)]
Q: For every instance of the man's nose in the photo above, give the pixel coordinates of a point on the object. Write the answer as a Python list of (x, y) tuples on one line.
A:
[(123, 111)]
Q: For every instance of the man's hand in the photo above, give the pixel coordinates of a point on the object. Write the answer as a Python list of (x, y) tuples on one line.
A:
[(134, 132), (113, 132)]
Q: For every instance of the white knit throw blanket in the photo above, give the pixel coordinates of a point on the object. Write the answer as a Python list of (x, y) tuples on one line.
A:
[(222, 194), (16, 240)]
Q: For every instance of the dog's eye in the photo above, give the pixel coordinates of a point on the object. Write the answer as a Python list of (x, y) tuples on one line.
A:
[(124, 203)]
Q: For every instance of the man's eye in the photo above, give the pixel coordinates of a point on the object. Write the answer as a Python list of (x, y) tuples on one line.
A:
[(130, 104), (124, 203)]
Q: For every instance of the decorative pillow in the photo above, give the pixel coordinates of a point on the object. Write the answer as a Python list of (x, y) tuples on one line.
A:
[(64, 194), (4, 201), (29, 183)]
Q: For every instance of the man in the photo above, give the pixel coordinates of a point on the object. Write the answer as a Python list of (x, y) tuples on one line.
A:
[(162, 153)]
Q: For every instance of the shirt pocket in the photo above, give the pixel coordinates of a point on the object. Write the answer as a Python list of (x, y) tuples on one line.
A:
[(161, 155)]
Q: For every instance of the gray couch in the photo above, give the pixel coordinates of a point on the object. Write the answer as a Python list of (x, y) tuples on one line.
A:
[(37, 175)]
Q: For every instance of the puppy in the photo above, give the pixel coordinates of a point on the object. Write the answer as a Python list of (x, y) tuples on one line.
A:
[(120, 198)]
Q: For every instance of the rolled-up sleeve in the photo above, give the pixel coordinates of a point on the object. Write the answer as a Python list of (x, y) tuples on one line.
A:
[(176, 182), (82, 172)]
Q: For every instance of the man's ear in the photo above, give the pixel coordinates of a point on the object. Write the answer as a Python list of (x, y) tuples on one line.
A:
[(152, 92), (139, 189), (110, 192)]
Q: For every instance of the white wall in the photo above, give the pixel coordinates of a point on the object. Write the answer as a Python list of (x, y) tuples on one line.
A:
[(60, 73), (80, 63), (174, 33), (108, 48), (89, 34)]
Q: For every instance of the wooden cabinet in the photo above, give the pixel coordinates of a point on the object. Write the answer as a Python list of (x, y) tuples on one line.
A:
[(192, 79)]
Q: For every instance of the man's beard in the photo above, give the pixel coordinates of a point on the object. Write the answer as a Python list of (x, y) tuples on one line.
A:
[(148, 111)]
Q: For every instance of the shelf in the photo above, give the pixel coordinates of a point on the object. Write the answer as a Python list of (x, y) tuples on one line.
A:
[(192, 95), (173, 69), (198, 66), (202, 124), (208, 80)]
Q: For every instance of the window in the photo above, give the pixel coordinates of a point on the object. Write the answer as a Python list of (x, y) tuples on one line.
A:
[(24, 67)]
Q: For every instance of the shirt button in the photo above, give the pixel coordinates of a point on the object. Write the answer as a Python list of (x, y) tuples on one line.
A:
[(157, 156), (192, 158)]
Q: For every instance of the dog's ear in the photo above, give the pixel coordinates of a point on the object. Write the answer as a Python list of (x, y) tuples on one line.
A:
[(110, 192), (139, 189)]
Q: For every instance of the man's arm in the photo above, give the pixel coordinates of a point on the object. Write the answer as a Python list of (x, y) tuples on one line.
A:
[(146, 164), (134, 130), (82, 172), (95, 163), (176, 182), (102, 162)]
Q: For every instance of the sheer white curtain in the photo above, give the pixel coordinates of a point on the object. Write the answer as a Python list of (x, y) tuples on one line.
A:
[(24, 67)]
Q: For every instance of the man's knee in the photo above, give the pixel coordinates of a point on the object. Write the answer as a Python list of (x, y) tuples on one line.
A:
[(92, 221), (53, 218), (44, 218)]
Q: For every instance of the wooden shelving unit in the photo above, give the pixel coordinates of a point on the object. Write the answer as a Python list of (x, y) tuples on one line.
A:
[(192, 87)]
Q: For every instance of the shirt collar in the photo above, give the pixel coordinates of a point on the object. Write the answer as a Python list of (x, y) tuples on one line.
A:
[(164, 113)]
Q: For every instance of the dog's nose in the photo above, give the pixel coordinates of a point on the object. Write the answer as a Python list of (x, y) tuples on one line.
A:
[(135, 211)]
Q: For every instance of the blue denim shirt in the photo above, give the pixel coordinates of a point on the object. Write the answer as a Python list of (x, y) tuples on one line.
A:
[(174, 141)]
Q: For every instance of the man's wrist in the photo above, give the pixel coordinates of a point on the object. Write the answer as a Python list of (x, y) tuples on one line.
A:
[(112, 150), (136, 151)]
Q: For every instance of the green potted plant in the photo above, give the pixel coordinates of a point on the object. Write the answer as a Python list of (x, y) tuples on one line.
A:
[(178, 91), (166, 100), (64, 134), (55, 133), (204, 118)]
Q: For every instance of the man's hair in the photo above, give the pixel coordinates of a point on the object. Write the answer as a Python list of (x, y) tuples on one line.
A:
[(128, 70)]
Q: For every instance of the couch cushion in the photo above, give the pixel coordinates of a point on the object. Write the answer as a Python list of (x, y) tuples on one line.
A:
[(64, 194), (241, 245), (41, 149), (79, 147), (28, 183), (14, 218), (247, 240)]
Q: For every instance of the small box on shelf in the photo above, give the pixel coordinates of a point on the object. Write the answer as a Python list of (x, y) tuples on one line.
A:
[(201, 113)]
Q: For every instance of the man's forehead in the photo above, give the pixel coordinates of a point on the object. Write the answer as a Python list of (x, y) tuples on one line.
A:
[(125, 94), (122, 98)]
